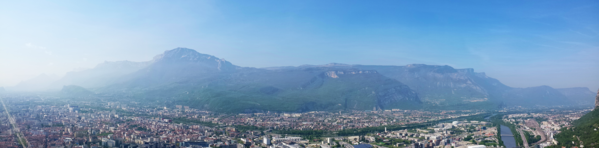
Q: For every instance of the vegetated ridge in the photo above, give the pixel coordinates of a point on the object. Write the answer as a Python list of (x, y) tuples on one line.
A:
[(185, 77)]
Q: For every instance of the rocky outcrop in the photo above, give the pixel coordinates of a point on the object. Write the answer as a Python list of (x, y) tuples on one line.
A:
[(334, 74), (597, 100)]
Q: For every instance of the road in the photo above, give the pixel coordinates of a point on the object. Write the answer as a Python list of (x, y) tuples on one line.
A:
[(13, 122), (525, 143), (534, 124)]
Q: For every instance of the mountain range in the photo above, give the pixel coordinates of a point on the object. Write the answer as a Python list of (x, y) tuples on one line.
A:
[(183, 76)]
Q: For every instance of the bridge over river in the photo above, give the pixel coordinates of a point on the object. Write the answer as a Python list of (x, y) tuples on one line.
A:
[(507, 137)]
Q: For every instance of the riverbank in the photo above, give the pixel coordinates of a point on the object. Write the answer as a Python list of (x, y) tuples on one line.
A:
[(512, 131), (507, 137)]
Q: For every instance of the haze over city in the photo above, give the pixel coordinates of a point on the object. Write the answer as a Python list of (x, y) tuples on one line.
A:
[(521, 43), (299, 74)]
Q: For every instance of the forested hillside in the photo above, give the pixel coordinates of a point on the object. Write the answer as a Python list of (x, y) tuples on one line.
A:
[(585, 132)]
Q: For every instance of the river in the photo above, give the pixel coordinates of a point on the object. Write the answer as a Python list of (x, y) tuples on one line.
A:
[(508, 141)]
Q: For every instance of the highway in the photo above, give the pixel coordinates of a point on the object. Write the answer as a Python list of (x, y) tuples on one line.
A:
[(525, 143), (13, 122)]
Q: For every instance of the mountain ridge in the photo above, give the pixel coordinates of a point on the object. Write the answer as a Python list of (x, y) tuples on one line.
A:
[(185, 76), (578, 95), (38, 83)]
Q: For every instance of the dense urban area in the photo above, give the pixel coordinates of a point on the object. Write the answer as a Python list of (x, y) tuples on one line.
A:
[(299, 74), (34, 122)]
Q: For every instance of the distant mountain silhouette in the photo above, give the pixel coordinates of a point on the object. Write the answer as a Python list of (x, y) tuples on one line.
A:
[(39, 83), (579, 95), (184, 76)]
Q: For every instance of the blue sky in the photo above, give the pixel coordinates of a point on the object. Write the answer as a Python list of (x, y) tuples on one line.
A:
[(521, 43)]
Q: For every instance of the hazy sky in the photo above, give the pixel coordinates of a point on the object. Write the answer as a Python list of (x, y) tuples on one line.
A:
[(521, 43)]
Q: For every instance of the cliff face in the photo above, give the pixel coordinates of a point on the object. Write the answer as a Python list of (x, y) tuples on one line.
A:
[(440, 85), (185, 76), (597, 100)]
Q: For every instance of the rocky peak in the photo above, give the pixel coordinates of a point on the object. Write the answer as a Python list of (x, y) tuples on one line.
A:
[(184, 54), (336, 73), (181, 56)]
